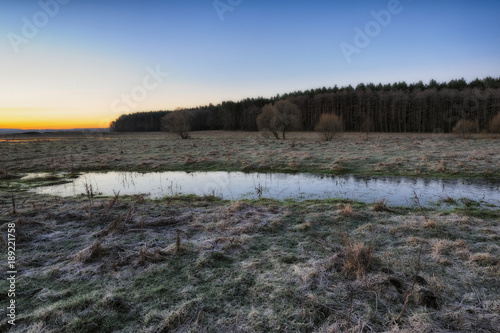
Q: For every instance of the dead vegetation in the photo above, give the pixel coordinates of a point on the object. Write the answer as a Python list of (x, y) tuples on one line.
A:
[(466, 127), (383, 154), (192, 264), (329, 125)]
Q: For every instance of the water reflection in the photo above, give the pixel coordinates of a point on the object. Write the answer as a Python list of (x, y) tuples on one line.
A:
[(237, 185)]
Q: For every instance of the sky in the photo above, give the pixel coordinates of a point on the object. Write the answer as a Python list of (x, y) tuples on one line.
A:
[(83, 63)]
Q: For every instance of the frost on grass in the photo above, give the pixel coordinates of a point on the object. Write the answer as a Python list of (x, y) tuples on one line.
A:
[(186, 264), (384, 153)]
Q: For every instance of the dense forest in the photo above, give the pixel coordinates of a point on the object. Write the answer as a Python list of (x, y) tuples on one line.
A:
[(397, 107)]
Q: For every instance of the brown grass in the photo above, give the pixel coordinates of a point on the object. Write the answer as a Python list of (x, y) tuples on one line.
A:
[(89, 253), (494, 125), (359, 258), (381, 206), (431, 224), (389, 154), (347, 211)]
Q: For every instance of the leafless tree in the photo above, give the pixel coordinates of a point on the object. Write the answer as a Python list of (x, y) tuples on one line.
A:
[(466, 127), (367, 125), (178, 122), (283, 117), (329, 125)]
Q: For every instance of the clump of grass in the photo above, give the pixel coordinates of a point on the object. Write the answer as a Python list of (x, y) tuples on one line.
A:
[(441, 166), (89, 253), (484, 259), (237, 207), (430, 224), (347, 211), (303, 226), (358, 258), (381, 206), (189, 159), (155, 255)]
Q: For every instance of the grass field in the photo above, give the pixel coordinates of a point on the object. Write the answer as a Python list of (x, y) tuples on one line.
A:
[(200, 264), (442, 155)]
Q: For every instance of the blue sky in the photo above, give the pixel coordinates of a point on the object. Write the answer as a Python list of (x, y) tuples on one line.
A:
[(88, 56)]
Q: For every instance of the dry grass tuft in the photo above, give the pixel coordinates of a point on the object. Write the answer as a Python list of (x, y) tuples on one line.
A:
[(430, 224), (153, 255), (89, 253), (347, 211), (483, 259), (189, 159), (238, 207), (441, 249), (441, 166), (359, 258), (381, 206), (303, 226)]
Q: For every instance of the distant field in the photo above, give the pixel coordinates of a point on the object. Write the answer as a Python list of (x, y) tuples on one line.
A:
[(442, 155)]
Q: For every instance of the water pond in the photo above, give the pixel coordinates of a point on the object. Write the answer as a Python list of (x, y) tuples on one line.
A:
[(397, 191)]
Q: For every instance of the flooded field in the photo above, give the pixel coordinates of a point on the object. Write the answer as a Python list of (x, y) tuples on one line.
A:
[(398, 191)]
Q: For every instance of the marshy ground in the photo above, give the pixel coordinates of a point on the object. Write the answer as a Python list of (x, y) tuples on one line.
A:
[(442, 155), (200, 264)]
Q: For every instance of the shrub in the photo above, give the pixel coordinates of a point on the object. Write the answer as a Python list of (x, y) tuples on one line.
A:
[(466, 127), (495, 124), (178, 122), (283, 116), (329, 125)]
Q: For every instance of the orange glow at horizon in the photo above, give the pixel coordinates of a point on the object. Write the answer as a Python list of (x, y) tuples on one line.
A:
[(27, 119)]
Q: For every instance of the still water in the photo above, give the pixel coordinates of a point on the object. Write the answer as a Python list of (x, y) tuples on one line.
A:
[(397, 191)]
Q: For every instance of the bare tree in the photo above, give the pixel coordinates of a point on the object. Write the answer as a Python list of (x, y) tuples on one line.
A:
[(329, 125), (367, 126), (283, 117), (466, 127), (178, 122)]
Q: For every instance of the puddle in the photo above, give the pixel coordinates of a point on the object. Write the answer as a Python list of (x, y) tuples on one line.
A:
[(238, 185)]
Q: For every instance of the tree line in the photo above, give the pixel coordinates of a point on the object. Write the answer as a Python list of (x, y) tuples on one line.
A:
[(397, 107)]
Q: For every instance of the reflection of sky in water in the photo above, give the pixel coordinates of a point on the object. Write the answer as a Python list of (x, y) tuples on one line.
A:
[(238, 185)]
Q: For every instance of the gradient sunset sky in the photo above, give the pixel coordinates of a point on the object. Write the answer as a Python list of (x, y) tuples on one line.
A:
[(82, 63)]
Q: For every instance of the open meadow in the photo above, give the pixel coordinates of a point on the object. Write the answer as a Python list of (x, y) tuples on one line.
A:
[(441, 155), (202, 264)]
